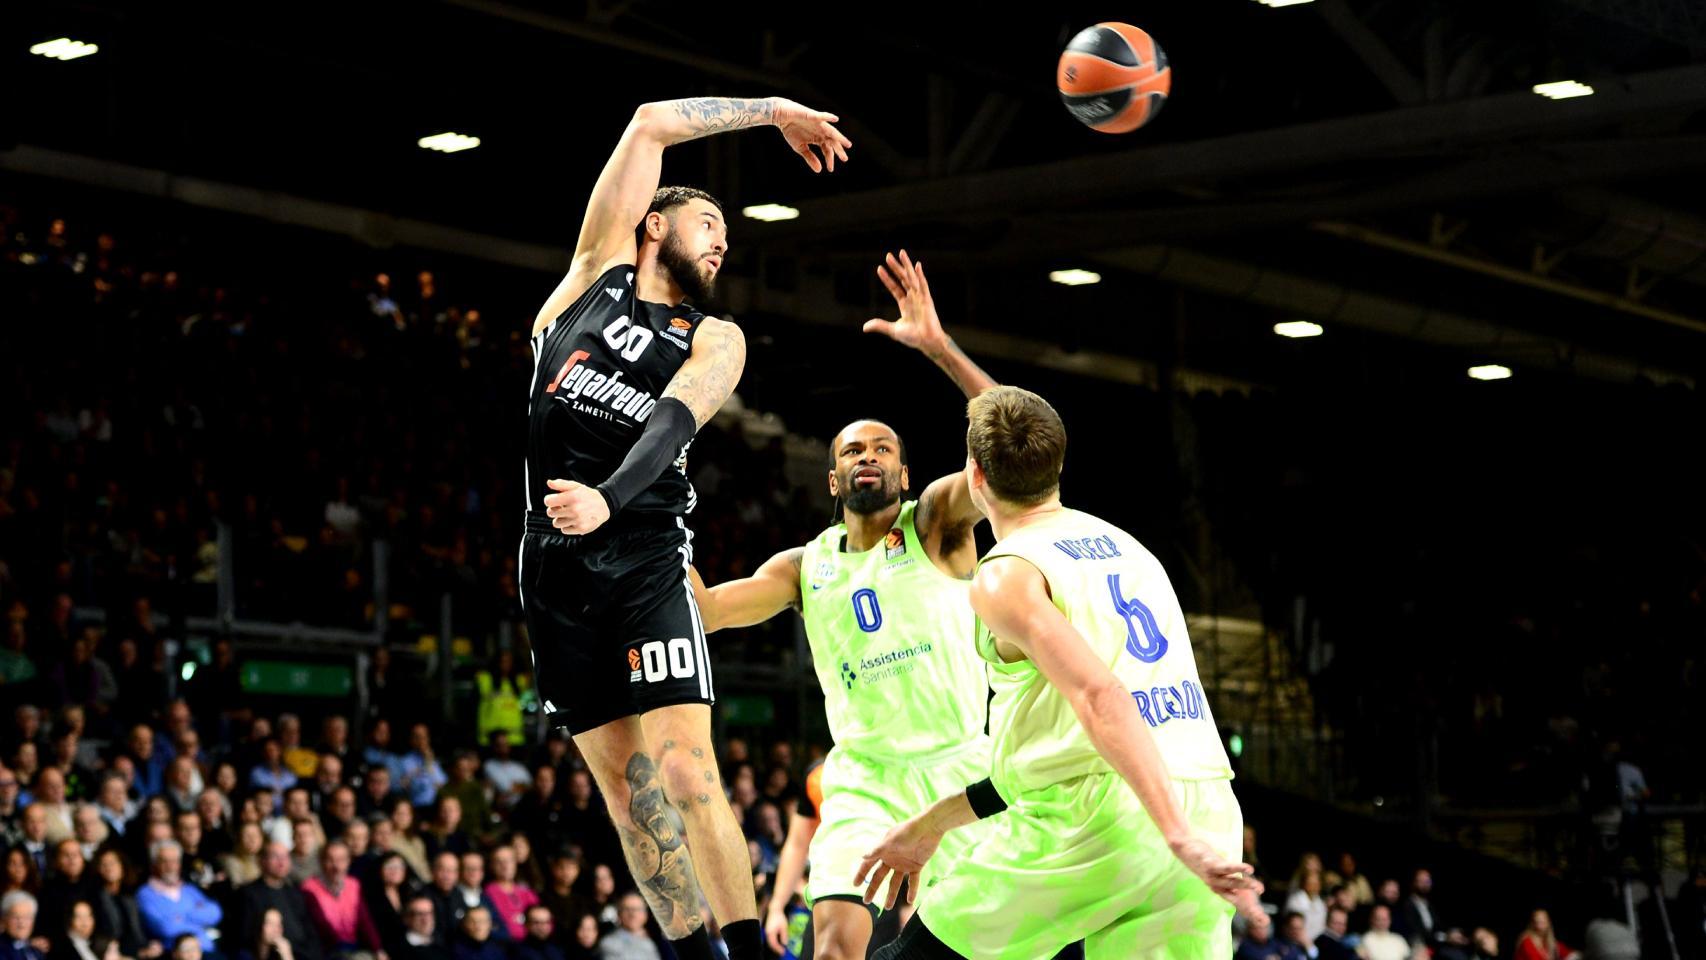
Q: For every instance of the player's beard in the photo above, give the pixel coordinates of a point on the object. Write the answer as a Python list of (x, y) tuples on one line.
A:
[(869, 500), (686, 270)]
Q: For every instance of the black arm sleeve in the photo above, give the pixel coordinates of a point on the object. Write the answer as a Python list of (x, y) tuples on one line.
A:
[(668, 430), (984, 800)]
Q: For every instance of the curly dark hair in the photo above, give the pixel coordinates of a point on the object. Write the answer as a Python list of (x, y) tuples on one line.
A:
[(666, 200)]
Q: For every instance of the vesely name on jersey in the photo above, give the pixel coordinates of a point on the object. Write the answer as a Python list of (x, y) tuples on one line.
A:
[(590, 390)]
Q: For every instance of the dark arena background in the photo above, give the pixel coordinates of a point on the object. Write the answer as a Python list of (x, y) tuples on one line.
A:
[(1393, 361)]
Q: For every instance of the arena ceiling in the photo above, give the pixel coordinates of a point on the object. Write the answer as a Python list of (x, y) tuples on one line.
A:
[(1383, 167)]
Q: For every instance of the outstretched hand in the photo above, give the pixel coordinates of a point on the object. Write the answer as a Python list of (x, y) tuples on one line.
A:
[(918, 327), (806, 130)]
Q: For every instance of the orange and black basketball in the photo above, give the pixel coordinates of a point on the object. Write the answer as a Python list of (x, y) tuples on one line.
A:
[(1113, 77)]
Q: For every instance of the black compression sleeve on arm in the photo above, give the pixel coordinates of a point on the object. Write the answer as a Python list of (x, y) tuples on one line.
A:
[(984, 800), (670, 428)]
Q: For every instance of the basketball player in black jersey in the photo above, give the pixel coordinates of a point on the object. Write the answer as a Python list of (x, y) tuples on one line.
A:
[(626, 371)]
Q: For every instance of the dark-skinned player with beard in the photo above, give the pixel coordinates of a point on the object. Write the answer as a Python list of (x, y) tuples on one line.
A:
[(626, 371), (884, 597)]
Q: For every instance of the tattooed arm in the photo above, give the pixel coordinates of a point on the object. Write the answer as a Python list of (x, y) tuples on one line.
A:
[(692, 398), (711, 371), (630, 178)]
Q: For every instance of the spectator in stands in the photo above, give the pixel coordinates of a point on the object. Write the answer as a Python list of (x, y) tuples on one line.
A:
[(1540, 942), (182, 789), (298, 758), (1306, 901), (328, 778), (1259, 943), (509, 778), (510, 898), (1250, 855), (171, 907), (306, 843), (629, 941), (68, 882), (271, 773), (116, 809), (35, 843), (1293, 933), (539, 812), (584, 946), (199, 868), (242, 865), (1334, 943), (89, 830), (470, 885), (339, 813), (336, 904), (334, 740), (421, 939), (275, 891), (19, 912), (422, 775), (1484, 945), (1348, 876), (74, 940), (527, 868), (406, 842), (271, 944), (85, 680), (539, 943), (187, 947), (604, 902), (376, 795), (1380, 943), (477, 941), (502, 690), (445, 832), (50, 797), (562, 895), (586, 824), (11, 811), (447, 900), (465, 786), (1388, 895), (21, 873), (116, 915), (363, 859), (387, 901)]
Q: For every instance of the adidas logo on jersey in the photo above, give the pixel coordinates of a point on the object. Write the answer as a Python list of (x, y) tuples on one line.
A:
[(615, 294)]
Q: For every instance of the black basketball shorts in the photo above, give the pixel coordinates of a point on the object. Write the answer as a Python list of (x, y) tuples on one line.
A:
[(612, 620)]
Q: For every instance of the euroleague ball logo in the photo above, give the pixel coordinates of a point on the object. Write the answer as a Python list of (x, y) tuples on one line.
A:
[(1071, 74)]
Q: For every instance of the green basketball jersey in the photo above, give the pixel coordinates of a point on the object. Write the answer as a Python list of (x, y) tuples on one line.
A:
[(893, 640), (1118, 597)]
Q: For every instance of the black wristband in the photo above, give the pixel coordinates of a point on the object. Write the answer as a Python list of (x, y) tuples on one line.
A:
[(984, 799), (668, 431)]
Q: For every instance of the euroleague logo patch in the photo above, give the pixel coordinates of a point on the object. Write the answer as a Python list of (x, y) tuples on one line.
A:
[(680, 323), (895, 542)]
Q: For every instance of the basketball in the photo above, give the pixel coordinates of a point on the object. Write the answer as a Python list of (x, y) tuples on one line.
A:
[(1113, 77)]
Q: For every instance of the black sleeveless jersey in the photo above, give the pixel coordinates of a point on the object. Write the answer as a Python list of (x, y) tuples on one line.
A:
[(599, 370)]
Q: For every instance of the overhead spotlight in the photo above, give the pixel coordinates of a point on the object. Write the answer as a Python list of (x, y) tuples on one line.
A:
[(1075, 278), (1282, 3), (1491, 371), (64, 48), (1563, 89), (770, 212), (449, 142), (1299, 328)]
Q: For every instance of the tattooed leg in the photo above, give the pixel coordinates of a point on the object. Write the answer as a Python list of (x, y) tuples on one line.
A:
[(656, 853), (688, 771)]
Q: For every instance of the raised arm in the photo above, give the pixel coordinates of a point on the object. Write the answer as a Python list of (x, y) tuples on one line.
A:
[(692, 397), (630, 177), (946, 513), (774, 587)]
